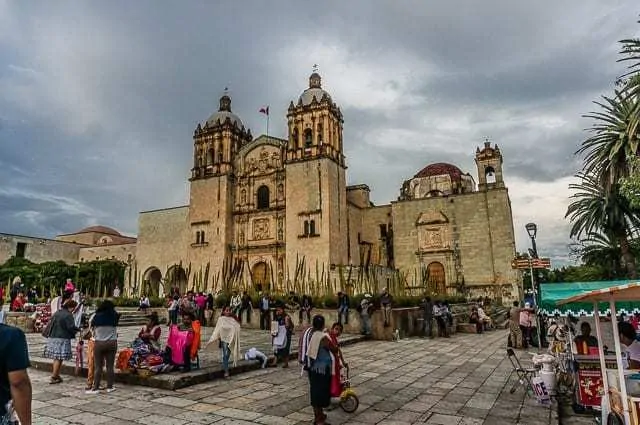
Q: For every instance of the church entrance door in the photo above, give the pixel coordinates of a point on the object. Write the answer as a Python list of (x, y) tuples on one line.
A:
[(260, 276), (437, 281)]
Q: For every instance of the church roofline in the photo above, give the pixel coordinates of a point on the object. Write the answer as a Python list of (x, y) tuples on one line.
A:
[(163, 209), (12, 235), (359, 187)]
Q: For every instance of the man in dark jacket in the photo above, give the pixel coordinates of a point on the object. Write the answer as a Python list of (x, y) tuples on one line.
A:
[(427, 310)]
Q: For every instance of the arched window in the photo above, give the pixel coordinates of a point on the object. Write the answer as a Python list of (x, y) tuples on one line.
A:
[(490, 174), (295, 138), (312, 227), (210, 156), (319, 134), (263, 197), (308, 138)]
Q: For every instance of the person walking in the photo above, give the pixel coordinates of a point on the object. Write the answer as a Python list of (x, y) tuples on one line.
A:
[(105, 329), (319, 360), (15, 385), (227, 334), (265, 312), (174, 304), (427, 308), (515, 333), (59, 334), (282, 339), (246, 306)]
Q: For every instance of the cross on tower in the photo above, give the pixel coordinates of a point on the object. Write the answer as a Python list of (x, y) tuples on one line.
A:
[(315, 67)]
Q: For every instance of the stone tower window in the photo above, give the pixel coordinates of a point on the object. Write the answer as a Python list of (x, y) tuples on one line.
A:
[(263, 198), (312, 227), (295, 138), (490, 174), (319, 134), (210, 156), (306, 228), (308, 139)]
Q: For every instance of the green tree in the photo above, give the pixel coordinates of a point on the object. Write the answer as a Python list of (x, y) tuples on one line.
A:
[(630, 82), (608, 149), (595, 209), (630, 186)]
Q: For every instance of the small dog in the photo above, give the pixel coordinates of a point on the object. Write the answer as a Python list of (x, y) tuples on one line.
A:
[(396, 335)]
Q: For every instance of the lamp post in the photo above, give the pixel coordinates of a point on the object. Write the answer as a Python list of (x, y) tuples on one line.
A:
[(532, 230)]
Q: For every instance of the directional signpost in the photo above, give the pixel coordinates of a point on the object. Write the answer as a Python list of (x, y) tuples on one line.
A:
[(530, 263)]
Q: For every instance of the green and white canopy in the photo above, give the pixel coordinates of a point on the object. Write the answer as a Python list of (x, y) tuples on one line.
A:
[(551, 293)]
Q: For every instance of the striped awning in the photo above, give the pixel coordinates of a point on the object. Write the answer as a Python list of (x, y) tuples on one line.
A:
[(627, 292)]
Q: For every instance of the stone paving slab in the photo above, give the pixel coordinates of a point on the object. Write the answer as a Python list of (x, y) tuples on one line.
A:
[(210, 359), (462, 380)]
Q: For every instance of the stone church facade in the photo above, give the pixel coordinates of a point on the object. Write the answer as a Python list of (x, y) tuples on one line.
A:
[(267, 211), (267, 203)]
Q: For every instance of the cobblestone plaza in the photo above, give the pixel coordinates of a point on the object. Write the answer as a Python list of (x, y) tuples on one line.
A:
[(461, 380)]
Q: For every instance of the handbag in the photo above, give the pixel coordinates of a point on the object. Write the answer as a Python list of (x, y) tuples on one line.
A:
[(46, 332)]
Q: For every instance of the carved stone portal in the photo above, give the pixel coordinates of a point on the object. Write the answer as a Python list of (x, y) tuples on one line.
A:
[(431, 238), (433, 231), (261, 229)]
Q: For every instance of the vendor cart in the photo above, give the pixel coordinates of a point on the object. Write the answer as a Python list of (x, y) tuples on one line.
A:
[(624, 405)]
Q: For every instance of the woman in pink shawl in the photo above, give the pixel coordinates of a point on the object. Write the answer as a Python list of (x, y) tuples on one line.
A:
[(338, 360)]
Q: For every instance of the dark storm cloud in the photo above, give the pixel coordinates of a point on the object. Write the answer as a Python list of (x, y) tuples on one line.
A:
[(98, 101)]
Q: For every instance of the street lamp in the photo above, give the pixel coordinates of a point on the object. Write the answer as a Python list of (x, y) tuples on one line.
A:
[(532, 230)]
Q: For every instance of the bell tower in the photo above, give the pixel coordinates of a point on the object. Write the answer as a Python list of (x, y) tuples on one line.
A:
[(315, 125), (489, 163), (217, 142), (212, 186), (316, 207)]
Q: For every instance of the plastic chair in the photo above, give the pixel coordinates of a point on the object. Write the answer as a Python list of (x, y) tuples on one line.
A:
[(524, 374)]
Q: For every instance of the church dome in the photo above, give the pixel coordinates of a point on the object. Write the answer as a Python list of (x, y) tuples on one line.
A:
[(220, 117), (441, 169), (315, 90), (100, 229)]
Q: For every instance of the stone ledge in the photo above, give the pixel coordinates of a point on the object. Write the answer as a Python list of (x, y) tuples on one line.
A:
[(177, 380)]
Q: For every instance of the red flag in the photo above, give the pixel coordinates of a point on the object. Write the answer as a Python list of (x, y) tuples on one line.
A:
[(264, 110)]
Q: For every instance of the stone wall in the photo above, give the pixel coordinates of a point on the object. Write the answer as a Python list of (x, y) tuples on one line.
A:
[(124, 253), (481, 225), (161, 240), (406, 320), (38, 250), (22, 321)]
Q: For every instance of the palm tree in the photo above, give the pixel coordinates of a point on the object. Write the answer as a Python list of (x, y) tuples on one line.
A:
[(596, 209), (608, 149), (603, 251), (631, 80)]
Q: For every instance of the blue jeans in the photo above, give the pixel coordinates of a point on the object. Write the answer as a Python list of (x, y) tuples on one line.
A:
[(343, 310), (226, 354)]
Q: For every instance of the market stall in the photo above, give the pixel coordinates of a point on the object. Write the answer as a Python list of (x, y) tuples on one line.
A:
[(621, 384)]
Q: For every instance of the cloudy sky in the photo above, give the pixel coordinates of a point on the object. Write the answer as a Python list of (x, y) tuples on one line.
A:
[(98, 100)]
